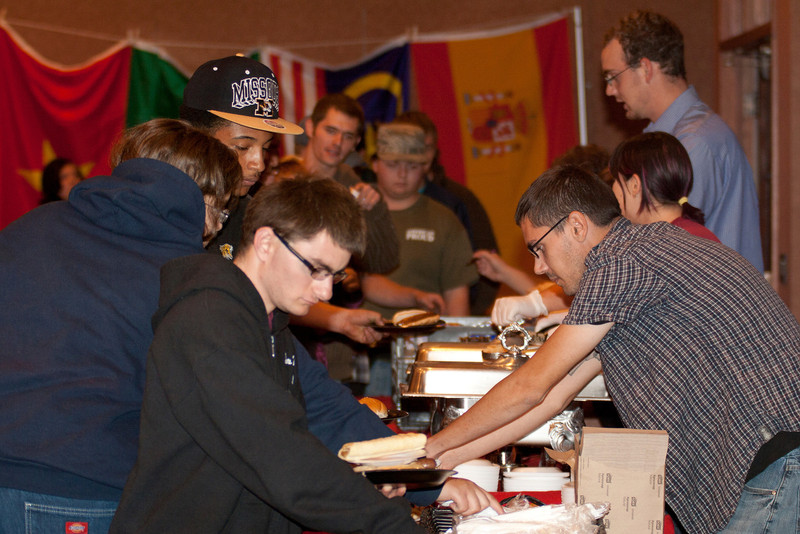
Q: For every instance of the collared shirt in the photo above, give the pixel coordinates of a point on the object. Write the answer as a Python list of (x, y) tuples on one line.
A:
[(723, 180), (702, 347)]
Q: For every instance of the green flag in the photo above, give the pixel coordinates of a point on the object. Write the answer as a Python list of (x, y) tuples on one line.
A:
[(155, 88)]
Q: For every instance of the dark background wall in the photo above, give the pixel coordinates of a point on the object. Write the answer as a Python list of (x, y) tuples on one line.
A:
[(343, 31)]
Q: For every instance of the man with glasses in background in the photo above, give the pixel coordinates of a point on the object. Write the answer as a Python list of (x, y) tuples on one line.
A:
[(643, 68)]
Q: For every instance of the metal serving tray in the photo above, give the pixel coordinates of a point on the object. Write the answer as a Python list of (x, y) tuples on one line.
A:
[(457, 370)]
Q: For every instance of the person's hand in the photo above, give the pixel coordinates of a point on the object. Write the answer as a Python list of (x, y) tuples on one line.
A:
[(490, 265), (356, 323), (508, 310), (432, 302), (366, 195), (467, 497), (392, 490), (450, 459)]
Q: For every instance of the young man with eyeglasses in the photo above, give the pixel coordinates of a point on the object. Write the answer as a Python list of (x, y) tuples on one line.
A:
[(643, 69), (224, 442), (217, 100), (691, 340)]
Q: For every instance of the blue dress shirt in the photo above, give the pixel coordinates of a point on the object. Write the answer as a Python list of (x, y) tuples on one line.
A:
[(723, 180)]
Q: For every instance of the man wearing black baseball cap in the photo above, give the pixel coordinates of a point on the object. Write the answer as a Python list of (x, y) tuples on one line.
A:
[(235, 99)]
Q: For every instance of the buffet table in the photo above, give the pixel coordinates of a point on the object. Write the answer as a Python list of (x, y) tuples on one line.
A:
[(405, 356), (554, 497)]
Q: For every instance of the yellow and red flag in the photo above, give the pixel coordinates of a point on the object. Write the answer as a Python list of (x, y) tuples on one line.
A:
[(504, 107)]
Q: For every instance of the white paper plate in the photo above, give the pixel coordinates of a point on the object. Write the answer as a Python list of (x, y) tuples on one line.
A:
[(391, 459), (513, 484), (537, 470), (536, 476)]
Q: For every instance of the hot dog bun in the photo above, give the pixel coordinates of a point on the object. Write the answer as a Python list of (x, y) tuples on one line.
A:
[(408, 446), (406, 318), (376, 406)]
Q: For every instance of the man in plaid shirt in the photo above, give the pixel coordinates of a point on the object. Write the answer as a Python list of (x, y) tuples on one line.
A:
[(691, 339)]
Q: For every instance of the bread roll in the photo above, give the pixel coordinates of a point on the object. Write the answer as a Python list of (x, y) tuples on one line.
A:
[(406, 318), (376, 406), (357, 451)]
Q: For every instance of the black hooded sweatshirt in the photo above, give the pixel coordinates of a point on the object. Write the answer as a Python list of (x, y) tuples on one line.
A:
[(224, 444)]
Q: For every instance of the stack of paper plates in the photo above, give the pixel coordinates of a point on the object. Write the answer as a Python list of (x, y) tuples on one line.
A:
[(482, 472), (534, 479)]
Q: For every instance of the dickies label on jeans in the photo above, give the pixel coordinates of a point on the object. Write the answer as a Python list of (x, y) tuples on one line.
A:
[(75, 527)]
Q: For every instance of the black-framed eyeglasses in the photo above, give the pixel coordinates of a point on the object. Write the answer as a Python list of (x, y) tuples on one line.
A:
[(611, 79), (532, 248), (317, 273), (222, 215)]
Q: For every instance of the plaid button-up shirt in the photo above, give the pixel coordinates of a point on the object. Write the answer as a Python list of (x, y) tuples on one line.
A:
[(702, 347)]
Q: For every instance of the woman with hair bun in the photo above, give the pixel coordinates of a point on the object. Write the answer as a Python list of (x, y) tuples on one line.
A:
[(652, 180)]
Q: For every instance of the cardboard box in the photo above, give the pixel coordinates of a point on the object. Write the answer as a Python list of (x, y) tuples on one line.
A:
[(625, 468)]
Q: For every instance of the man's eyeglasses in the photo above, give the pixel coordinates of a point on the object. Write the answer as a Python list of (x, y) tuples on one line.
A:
[(532, 248), (222, 215), (317, 273), (611, 79)]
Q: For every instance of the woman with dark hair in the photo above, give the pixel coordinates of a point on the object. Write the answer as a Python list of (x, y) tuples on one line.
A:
[(652, 176), (58, 178)]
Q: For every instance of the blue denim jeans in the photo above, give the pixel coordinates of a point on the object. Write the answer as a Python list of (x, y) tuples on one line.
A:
[(770, 502), (23, 512)]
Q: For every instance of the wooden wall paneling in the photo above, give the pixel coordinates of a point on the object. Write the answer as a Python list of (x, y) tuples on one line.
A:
[(786, 156)]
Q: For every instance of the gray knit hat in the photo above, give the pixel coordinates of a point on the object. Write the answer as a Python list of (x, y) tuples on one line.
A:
[(401, 142)]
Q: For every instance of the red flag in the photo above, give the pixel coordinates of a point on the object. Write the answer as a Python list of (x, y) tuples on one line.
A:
[(53, 112)]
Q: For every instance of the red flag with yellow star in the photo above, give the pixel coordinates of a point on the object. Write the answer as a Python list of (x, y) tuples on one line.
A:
[(52, 112)]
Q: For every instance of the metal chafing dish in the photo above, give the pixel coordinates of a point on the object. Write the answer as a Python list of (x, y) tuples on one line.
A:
[(452, 372)]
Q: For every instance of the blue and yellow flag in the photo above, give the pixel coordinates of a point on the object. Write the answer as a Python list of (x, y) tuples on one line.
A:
[(380, 84)]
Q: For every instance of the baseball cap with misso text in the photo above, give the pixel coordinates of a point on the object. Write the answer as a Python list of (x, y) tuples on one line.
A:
[(241, 90)]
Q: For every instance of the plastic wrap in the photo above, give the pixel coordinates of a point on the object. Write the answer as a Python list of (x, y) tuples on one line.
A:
[(553, 519)]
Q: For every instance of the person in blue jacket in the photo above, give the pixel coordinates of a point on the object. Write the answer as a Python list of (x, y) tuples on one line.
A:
[(80, 284)]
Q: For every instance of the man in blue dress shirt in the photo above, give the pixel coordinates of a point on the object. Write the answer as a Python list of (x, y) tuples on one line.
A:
[(644, 70)]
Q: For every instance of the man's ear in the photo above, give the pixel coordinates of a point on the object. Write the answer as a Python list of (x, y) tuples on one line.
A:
[(264, 242), (577, 226), (648, 68), (308, 126)]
